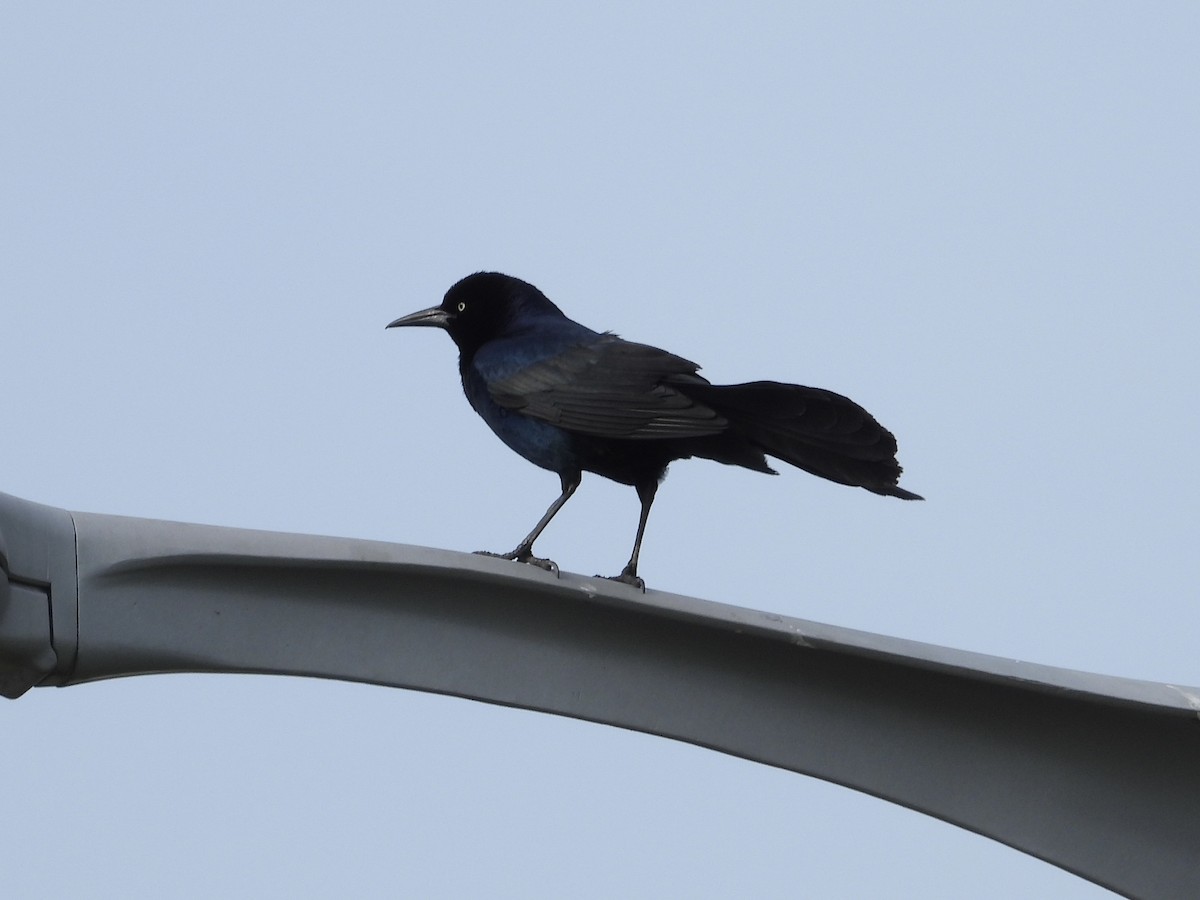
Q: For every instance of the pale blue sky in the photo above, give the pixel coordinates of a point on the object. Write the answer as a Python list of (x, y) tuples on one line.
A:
[(980, 221)]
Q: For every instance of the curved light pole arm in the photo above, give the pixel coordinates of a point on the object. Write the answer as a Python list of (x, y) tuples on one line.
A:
[(1096, 774)]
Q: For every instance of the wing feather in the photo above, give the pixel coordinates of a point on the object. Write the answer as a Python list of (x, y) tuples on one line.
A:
[(611, 388)]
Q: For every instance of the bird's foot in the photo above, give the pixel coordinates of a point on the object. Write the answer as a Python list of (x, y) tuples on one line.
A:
[(524, 555), (626, 577)]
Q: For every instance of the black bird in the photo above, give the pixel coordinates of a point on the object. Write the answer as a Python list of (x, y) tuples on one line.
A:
[(571, 400)]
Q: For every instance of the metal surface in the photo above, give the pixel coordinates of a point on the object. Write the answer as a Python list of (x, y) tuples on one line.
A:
[(37, 549), (1096, 774)]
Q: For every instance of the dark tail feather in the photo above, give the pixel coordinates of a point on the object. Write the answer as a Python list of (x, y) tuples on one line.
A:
[(816, 430)]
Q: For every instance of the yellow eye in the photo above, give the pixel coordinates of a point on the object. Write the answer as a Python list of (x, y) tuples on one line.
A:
[(461, 306)]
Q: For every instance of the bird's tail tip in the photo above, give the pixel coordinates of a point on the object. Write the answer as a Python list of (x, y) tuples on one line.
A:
[(895, 491)]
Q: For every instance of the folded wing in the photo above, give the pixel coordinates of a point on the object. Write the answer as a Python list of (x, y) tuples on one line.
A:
[(611, 388)]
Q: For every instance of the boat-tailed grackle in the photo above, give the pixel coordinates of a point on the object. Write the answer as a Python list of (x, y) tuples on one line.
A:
[(573, 400)]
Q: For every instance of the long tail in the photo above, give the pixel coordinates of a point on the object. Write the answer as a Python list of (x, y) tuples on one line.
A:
[(816, 430)]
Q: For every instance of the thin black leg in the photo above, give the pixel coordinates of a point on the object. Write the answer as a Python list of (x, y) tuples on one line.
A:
[(524, 550), (629, 574)]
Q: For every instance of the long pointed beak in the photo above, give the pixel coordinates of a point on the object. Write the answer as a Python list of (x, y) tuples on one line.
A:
[(434, 317)]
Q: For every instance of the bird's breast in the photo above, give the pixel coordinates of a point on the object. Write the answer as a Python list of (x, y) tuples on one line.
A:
[(541, 443)]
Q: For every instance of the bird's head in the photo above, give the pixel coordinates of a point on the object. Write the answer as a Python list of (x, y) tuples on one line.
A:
[(480, 308)]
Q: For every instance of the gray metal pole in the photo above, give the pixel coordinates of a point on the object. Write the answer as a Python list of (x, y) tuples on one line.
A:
[(1098, 775)]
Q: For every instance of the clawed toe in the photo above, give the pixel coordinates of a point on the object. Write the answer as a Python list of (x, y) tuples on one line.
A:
[(626, 578), (494, 555), (548, 564), (526, 557)]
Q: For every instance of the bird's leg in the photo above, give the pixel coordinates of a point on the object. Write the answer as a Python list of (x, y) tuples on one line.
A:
[(524, 550), (629, 574)]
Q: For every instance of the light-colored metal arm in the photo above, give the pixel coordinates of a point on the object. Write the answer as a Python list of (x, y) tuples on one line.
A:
[(1096, 774)]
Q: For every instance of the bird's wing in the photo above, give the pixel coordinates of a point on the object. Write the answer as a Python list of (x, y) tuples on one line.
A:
[(610, 388)]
